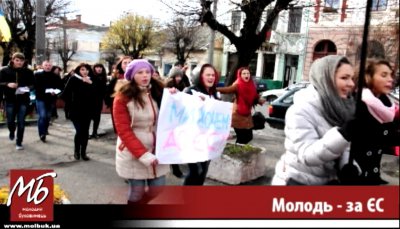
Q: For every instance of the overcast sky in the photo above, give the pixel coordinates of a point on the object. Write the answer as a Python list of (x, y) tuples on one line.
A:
[(99, 12)]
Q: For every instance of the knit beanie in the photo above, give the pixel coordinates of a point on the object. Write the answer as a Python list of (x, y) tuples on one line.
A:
[(135, 65), (175, 71)]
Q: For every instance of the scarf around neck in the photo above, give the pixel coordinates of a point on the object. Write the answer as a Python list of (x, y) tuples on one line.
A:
[(376, 108)]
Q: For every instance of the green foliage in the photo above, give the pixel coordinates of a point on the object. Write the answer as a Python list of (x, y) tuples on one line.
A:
[(132, 34), (241, 152)]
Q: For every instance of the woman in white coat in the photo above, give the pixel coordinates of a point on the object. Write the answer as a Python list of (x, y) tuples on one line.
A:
[(314, 124)]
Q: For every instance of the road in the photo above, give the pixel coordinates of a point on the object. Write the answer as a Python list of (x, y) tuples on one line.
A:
[(96, 181)]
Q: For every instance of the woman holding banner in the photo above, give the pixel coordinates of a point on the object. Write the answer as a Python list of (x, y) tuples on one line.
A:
[(245, 98), (135, 111), (204, 82), (315, 124)]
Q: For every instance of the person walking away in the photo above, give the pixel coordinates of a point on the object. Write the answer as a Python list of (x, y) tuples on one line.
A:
[(47, 87), (99, 81), (136, 105), (313, 141), (80, 92), (17, 81), (246, 97)]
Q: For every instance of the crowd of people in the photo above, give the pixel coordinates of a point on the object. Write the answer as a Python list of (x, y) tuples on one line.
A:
[(326, 130)]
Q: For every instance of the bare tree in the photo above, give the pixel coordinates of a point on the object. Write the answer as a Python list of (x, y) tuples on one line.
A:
[(110, 57), (185, 36), (65, 48), (251, 37), (21, 18)]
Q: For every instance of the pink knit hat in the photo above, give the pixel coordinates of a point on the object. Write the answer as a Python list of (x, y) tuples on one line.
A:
[(135, 65)]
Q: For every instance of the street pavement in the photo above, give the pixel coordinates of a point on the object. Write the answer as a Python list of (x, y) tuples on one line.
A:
[(96, 181)]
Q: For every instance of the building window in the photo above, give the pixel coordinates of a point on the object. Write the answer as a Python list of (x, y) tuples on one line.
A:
[(333, 4), (379, 4), (75, 45), (236, 17), (295, 15), (324, 48)]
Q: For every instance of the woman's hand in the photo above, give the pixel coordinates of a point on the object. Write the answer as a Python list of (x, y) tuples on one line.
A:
[(86, 80), (12, 85)]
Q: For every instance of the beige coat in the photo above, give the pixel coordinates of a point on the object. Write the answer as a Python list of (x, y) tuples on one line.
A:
[(143, 122)]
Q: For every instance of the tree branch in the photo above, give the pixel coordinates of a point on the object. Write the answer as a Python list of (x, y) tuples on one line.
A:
[(208, 18)]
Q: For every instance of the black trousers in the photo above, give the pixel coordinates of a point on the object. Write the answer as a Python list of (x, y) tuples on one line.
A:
[(96, 118), (243, 136), (197, 173), (81, 133)]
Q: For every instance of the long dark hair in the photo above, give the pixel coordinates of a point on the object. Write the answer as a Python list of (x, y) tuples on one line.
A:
[(103, 74), (118, 68), (131, 90), (213, 89), (85, 65)]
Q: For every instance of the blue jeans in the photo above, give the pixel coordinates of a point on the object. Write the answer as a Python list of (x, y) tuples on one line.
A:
[(44, 110), (137, 189), (19, 110)]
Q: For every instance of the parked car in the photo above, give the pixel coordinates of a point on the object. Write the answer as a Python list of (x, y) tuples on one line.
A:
[(273, 94), (277, 109), (260, 85)]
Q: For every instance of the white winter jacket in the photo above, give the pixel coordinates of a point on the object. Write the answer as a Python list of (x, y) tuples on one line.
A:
[(311, 143)]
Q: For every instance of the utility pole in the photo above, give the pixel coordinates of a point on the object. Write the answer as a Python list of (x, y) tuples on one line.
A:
[(40, 31), (212, 37)]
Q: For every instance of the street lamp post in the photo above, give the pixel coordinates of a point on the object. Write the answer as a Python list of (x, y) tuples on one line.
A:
[(212, 37), (40, 31)]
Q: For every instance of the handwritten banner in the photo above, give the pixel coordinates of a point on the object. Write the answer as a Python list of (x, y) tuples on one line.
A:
[(191, 130)]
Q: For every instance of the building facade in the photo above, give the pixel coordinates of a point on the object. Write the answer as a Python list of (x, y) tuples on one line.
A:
[(312, 29), (74, 36)]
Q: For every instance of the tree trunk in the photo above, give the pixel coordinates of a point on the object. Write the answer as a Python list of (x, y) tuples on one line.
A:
[(28, 51), (65, 66), (6, 54), (243, 60)]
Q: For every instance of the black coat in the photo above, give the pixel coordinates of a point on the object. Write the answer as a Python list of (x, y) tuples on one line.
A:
[(100, 85), (45, 80), (81, 98), (23, 77), (371, 139)]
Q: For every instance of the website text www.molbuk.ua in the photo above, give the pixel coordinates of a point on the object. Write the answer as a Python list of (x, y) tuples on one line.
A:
[(32, 225)]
